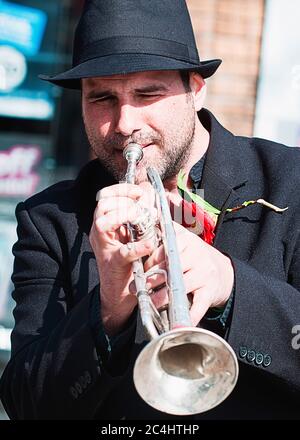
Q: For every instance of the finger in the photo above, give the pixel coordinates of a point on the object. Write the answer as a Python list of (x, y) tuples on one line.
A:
[(186, 233), (113, 203), (157, 257), (149, 194), (150, 286), (160, 298), (114, 219), (132, 251), (132, 287), (200, 305), (174, 198), (120, 189), (179, 229), (192, 281), (157, 279)]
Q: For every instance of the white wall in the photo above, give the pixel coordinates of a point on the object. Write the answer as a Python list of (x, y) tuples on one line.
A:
[(278, 101)]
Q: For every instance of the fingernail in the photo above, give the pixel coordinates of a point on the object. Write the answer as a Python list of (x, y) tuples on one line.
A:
[(130, 246), (132, 288), (98, 195)]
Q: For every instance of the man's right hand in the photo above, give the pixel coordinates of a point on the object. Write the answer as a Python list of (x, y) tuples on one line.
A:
[(109, 238)]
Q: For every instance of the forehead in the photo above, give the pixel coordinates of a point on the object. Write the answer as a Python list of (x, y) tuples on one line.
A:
[(167, 78)]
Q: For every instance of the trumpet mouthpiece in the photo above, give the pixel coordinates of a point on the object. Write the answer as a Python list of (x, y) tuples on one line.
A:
[(134, 152)]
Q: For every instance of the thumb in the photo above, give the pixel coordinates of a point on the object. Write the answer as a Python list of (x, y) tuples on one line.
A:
[(199, 306)]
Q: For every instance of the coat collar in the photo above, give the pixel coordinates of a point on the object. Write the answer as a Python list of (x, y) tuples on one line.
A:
[(222, 174)]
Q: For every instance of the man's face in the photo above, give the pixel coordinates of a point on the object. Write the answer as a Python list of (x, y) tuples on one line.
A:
[(152, 109)]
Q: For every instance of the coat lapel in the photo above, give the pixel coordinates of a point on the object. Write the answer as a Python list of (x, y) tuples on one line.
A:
[(222, 174)]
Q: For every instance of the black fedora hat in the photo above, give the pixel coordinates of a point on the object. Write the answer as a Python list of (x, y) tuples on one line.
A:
[(126, 36)]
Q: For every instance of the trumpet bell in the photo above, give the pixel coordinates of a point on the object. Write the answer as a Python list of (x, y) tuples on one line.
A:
[(186, 371)]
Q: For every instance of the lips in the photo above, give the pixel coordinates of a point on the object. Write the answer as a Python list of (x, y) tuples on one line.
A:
[(143, 145), (120, 150)]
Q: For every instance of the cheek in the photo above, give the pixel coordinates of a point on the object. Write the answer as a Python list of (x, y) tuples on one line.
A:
[(171, 113), (104, 128), (161, 116), (97, 122)]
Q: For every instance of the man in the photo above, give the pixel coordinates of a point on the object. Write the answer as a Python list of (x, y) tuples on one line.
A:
[(77, 333)]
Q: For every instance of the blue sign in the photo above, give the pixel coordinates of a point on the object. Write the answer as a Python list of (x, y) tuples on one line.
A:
[(22, 27)]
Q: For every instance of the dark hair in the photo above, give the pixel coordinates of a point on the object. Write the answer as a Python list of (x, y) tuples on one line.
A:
[(185, 78)]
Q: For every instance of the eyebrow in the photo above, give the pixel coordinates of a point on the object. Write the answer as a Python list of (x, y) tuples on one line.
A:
[(146, 89), (151, 88), (97, 94)]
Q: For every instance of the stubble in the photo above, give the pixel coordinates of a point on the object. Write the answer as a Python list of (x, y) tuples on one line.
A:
[(168, 153)]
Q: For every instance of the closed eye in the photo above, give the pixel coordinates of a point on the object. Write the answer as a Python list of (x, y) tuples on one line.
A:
[(101, 98), (149, 95)]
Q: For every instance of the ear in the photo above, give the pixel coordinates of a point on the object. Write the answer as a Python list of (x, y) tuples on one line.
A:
[(198, 88)]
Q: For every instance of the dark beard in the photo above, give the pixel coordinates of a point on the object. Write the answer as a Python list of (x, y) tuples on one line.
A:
[(168, 164), (173, 152)]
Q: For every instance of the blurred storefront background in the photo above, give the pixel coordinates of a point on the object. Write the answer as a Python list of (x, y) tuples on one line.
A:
[(41, 137), (256, 91)]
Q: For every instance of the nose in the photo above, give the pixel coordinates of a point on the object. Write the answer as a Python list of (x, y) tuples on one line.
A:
[(128, 119)]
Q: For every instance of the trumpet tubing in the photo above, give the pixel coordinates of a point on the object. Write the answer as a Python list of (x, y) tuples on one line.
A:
[(183, 370)]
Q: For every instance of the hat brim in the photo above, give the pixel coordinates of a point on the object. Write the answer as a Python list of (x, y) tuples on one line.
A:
[(127, 63)]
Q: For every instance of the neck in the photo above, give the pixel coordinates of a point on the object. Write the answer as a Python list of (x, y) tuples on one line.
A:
[(199, 148)]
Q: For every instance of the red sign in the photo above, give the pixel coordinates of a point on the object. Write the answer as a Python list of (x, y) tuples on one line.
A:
[(17, 177)]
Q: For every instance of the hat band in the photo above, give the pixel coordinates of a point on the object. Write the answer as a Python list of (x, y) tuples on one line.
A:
[(143, 45)]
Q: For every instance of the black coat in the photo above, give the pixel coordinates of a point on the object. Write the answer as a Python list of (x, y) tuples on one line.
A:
[(57, 370)]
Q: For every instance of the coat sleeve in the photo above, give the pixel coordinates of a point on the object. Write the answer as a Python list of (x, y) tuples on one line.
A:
[(264, 316), (55, 371)]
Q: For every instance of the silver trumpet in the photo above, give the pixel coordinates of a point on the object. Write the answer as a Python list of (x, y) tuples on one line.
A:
[(183, 370)]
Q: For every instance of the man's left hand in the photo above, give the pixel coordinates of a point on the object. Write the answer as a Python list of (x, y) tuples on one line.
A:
[(207, 273)]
